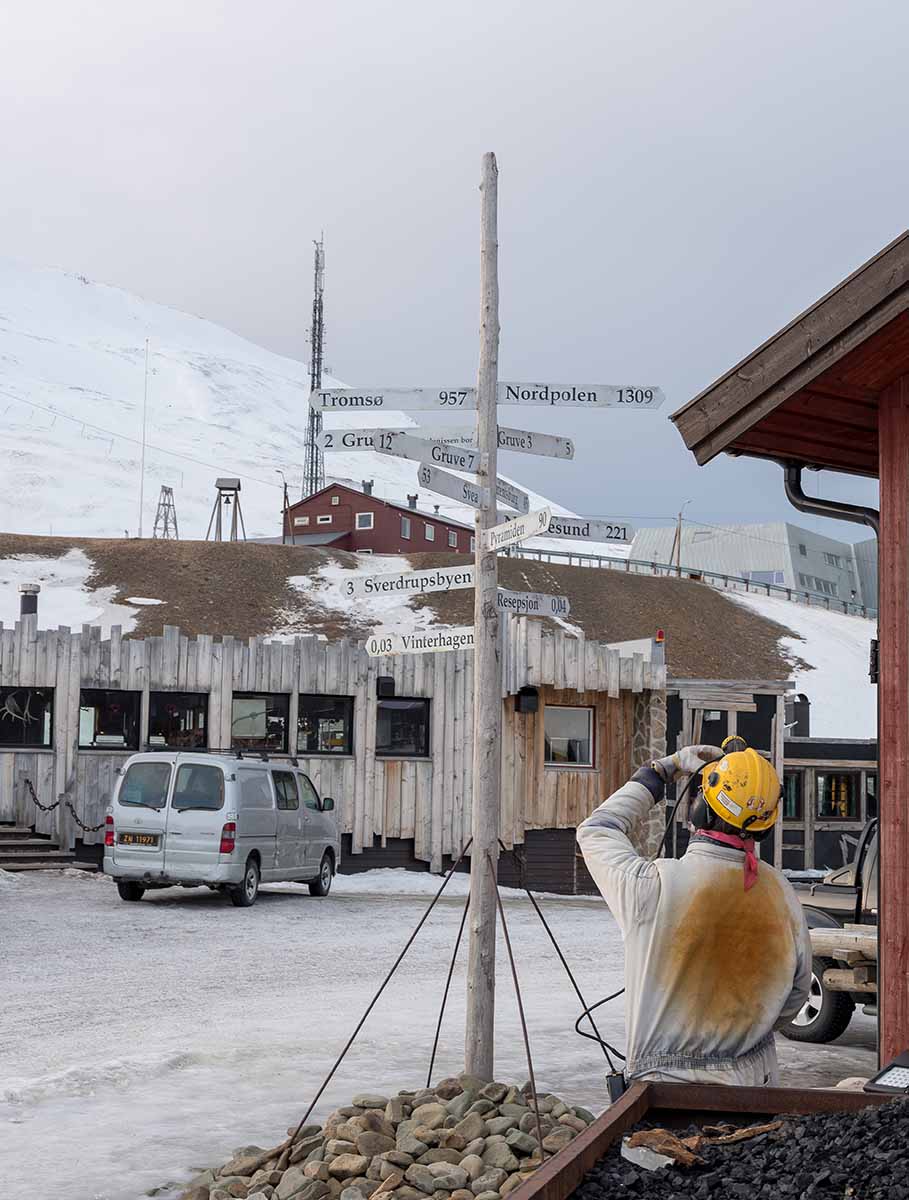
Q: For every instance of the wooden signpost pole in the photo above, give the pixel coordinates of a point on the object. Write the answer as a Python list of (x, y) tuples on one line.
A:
[(479, 1048)]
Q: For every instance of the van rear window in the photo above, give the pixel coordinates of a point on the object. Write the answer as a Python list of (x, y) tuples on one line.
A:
[(145, 784), (198, 786)]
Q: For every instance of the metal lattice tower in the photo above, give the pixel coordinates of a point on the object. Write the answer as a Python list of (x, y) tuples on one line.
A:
[(166, 516), (314, 467)]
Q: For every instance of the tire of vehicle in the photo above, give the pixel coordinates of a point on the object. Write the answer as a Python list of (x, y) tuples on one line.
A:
[(245, 895), (321, 885), (825, 1015), (130, 891)]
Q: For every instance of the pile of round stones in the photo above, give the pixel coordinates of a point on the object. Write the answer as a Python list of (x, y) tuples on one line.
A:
[(464, 1139)]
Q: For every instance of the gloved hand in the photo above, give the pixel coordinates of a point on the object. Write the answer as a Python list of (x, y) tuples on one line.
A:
[(686, 761)]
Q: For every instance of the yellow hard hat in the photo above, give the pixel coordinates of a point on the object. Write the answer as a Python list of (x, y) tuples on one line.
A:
[(742, 788)]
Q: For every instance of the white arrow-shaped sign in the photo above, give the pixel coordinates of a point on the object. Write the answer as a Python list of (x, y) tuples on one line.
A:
[(590, 529), (433, 641), (532, 604), (382, 439), (394, 399), (522, 441), (410, 583), (512, 496), (588, 395), (440, 454), (461, 490), (534, 524)]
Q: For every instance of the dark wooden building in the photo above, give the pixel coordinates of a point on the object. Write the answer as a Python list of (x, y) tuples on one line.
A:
[(345, 519), (831, 390)]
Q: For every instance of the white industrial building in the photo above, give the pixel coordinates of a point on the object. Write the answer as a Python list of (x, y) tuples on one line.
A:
[(772, 553)]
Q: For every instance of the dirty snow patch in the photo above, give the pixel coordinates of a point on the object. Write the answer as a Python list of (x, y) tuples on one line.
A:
[(142, 600), (65, 597), (843, 700)]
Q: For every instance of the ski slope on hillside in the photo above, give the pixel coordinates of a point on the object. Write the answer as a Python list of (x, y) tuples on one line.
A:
[(72, 375), (843, 700)]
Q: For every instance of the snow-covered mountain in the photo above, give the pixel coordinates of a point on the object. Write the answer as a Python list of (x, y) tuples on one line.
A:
[(72, 375)]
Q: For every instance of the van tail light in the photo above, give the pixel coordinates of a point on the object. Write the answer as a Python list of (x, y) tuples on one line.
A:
[(108, 830), (228, 838)]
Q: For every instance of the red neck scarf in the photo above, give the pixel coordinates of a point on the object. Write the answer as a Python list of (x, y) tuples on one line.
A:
[(746, 844)]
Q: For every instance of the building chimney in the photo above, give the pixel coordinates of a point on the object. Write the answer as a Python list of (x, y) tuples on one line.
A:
[(412, 500), (367, 486), (28, 598)]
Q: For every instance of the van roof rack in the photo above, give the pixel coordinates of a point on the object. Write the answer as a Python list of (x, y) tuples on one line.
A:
[(228, 752)]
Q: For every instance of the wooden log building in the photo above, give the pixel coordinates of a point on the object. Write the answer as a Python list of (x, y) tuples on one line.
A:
[(388, 738)]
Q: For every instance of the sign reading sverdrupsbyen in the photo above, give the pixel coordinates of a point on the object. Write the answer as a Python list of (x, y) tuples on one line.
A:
[(411, 583), (432, 641)]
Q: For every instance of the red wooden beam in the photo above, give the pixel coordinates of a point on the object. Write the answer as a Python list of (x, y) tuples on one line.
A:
[(893, 705)]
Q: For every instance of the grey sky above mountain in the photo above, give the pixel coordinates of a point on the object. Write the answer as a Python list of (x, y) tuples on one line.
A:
[(676, 182)]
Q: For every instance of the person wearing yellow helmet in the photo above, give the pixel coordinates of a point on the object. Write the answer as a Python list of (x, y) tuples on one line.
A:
[(717, 952)]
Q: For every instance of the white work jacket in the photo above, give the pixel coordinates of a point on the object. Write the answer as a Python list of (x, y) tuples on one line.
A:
[(710, 969)]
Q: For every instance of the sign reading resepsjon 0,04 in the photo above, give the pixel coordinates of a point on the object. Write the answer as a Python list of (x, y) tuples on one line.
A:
[(434, 641)]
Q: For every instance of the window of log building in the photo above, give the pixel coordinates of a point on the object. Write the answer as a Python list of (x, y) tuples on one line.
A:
[(402, 729), (108, 719), (838, 796), (178, 719), (325, 725), (259, 722), (26, 716), (568, 735)]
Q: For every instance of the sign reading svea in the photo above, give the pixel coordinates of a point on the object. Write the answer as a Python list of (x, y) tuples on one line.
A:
[(450, 485), (433, 641), (590, 395), (410, 583), (394, 399)]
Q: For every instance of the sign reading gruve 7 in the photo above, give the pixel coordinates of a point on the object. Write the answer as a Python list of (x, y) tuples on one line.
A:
[(434, 453), (394, 399), (588, 395), (410, 583), (534, 524), (434, 641)]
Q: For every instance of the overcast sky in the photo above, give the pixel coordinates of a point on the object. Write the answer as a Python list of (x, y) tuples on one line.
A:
[(676, 182)]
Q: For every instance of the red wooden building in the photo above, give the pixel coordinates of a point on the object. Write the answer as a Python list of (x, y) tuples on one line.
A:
[(831, 390), (341, 517)]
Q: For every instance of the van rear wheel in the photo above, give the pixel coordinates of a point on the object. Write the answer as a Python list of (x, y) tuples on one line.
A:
[(321, 885), (130, 891), (245, 895)]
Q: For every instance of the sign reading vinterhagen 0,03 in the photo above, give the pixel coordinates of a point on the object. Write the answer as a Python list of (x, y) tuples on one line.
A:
[(394, 399), (534, 524), (411, 583), (432, 641)]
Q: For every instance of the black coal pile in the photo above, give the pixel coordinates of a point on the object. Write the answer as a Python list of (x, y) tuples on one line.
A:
[(840, 1156)]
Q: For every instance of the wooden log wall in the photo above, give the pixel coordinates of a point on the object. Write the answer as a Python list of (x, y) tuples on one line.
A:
[(377, 798)]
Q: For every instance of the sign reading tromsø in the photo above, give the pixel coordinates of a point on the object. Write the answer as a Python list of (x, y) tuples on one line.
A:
[(433, 641), (534, 524), (439, 454), (383, 439), (523, 441), (394, 399), (590, 395), (532, 604), (411, 583), (449, 485), (588, 529)]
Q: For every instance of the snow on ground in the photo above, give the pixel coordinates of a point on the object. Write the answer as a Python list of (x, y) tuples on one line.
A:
[(837, 646), (72, 377), (144, 1040), (142, 600), (65, 597)]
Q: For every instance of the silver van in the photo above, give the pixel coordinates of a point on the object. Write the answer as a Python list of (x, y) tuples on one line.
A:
[(220, 821)]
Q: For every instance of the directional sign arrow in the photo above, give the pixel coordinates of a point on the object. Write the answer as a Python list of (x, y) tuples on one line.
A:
[(394, 399), (434, 641), (524, 442), (512, 496), (590, 529), (382, 439), (532, 604), (461, 490), (434, 453), (534, 524), (410, 583), (588, 395)]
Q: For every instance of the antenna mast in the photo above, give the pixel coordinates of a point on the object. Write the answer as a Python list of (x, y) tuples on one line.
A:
[(314, 468)]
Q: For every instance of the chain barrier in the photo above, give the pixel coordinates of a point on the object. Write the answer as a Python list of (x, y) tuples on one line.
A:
[(68, 804)]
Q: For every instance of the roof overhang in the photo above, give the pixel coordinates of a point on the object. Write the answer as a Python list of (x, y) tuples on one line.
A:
[(810, 393)]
